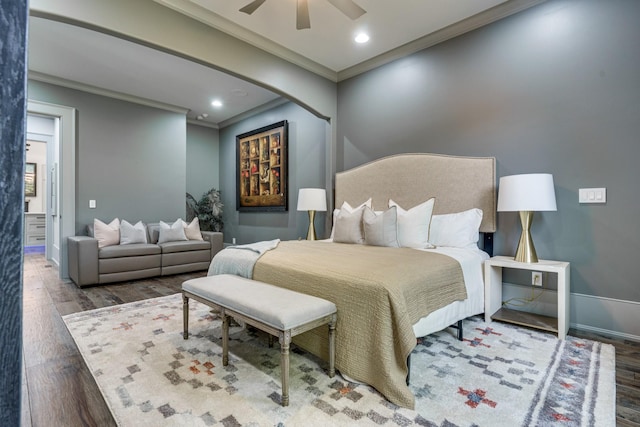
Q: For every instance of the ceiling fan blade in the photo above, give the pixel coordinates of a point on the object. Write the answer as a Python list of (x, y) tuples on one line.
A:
[(302, 18), (251, 7), (349, 8)]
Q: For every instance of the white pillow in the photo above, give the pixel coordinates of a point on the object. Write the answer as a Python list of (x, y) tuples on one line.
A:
[(413, 224), (347, 207), (380, 229), (130, 234), (173, 232), (458, 230), (348, 227), (192, 230), (107, 234)]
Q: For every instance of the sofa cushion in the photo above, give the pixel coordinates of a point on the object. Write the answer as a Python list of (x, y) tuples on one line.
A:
[(135, 249), (172, 232), (130, 234), (130, 263), (106, 234), (184, 246), (192, 230)]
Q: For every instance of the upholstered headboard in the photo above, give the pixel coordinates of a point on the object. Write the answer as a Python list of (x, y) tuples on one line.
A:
[(457, 183)]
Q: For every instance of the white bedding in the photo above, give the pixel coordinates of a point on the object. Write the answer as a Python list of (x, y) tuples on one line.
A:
[(472, 261)]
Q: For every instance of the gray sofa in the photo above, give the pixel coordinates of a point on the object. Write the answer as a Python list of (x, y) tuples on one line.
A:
[(91, 265)]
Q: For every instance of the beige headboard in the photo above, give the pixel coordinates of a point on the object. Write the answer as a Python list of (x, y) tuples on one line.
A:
[(457, 183)]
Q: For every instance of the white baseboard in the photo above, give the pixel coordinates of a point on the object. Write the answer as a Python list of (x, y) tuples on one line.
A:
[(601, 315)]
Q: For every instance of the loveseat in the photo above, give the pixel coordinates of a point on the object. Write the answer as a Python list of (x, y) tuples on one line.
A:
[(92, 261)]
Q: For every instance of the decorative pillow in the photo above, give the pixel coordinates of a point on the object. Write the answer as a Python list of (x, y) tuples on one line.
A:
[(192, 230), (171, 233), (347, 207), (348, 227), (413, 224), (457, 230), (130, 234), (107, 234), (380, 229)]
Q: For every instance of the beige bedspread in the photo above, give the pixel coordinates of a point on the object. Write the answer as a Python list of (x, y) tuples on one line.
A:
[(379, 292)]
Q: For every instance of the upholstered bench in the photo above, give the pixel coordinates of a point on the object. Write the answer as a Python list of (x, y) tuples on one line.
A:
[(277, 311)]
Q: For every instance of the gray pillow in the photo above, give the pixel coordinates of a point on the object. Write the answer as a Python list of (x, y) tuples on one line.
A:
[(171, 233), (348, 227), (130, 234), (381, 229)]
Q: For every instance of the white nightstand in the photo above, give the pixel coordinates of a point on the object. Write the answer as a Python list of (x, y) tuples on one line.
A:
[(493, 309)]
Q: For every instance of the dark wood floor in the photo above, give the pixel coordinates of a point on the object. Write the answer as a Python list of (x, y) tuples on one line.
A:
[(58, 389)]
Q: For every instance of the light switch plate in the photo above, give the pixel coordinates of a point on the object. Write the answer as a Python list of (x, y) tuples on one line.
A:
[(592, 195), (92, 204)]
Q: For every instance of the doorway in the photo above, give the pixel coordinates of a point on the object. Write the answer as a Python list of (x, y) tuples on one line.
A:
[(37, 218), (59, 207)]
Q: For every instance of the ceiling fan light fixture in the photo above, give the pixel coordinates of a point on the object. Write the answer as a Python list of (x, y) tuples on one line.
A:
[(361, 38), (303, 22)]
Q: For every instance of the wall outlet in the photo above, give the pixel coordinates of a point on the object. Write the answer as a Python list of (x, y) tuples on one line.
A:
[(536, 278), (233, 241)]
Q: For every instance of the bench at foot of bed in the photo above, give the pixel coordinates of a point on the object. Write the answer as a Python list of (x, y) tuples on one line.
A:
[(276, 311)]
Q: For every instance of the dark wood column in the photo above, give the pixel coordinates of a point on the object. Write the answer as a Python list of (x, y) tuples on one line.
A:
[(13, 46)]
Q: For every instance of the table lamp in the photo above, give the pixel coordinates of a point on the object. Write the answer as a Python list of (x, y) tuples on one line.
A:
[(526, 194), (312, 200)]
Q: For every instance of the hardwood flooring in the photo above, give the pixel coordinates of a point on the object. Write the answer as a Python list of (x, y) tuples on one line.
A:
[(58, 389)]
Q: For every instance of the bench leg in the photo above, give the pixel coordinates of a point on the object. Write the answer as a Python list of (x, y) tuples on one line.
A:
[(185, 316), (225, 338), (332, 347), (285, 342)]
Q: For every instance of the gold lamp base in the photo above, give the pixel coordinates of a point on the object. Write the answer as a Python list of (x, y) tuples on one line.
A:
[(526, 252), (311, 234)]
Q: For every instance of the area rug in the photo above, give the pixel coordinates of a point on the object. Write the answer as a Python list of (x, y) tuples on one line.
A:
[(500, 375)]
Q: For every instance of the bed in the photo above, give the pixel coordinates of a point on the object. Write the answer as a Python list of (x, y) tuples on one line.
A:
[(388, 296)]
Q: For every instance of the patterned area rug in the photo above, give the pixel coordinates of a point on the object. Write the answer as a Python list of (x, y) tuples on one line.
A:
[(501, 375)]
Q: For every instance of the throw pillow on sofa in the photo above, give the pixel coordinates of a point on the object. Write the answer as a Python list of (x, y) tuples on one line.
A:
[(172, 233), (192, 230), (106, 234), (130, 234)]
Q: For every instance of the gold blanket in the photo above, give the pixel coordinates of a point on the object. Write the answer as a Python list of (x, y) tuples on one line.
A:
[(379, 293)]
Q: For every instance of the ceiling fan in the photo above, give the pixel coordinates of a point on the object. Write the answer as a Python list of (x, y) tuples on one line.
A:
[(348, 7)]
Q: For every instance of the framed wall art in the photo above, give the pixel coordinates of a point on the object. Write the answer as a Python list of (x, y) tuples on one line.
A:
[(261, 157), (30, 176)]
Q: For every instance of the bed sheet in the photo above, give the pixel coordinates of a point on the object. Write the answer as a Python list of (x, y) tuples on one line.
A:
[(472, 262)]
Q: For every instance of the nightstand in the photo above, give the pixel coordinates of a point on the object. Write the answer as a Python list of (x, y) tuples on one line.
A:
[(493, 309)]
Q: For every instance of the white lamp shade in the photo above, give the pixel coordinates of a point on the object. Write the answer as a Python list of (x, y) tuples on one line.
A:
[(527, 192), (312, 199)]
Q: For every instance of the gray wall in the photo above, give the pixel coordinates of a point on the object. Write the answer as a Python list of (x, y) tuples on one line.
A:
[(552, 89), (203, 160), (13, 59), (130, 158), (307, 166)]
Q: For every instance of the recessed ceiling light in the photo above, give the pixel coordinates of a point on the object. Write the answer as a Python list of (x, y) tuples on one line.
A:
[(362, 38), (216, 103)]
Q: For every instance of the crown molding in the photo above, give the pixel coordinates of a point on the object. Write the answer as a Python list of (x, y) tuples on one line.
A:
[(261, 108), (46, 78), (481, 19), (220, 23), (203, 124)]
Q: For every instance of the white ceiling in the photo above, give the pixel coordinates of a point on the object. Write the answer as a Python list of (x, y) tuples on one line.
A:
[(97, 61), (329, 42), (399, 27)]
